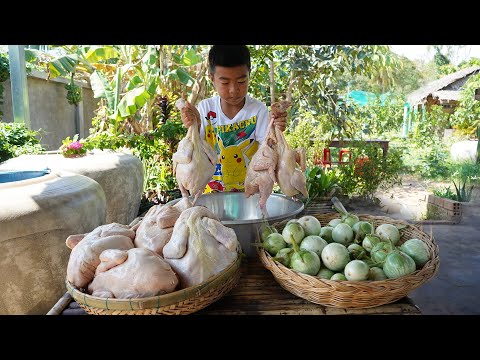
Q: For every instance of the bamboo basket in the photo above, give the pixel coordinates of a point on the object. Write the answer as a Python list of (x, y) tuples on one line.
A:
[(181, 302), (354, 294)]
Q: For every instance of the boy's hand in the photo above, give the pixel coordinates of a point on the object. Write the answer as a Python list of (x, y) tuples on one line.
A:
[(280, 120), (190, 115)]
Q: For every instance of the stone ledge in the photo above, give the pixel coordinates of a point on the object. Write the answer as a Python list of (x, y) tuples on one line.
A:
[(43, 75), (434, 222)]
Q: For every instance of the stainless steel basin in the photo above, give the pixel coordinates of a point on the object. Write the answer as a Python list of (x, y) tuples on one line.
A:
[(244, 215)]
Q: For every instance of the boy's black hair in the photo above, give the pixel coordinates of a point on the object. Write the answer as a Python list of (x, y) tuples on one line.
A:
[(228, 56)]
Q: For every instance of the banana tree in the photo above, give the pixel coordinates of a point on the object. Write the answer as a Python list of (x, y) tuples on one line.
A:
[(130, 79)]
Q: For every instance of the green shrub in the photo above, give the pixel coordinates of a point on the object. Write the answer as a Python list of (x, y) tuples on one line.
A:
[(369, 171), (446, 193), (309, 134), (154, 148), (16, 139), (430, 162)]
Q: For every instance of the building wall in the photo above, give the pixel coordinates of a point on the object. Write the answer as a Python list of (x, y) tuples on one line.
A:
[(50, 112)]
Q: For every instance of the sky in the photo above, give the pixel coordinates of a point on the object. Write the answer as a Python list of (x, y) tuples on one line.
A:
[(414, 52), (421, 52)]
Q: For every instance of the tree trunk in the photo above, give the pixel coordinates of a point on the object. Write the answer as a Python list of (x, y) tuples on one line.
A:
[(272, 82), (478, 144), (199, 86), (290, 86), (133, 126)]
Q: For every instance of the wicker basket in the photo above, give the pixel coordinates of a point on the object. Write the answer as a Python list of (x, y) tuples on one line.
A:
[(354, 294), (181, 302)]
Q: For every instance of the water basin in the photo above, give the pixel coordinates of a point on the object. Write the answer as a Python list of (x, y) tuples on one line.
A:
[(244, 215), (11, 176)]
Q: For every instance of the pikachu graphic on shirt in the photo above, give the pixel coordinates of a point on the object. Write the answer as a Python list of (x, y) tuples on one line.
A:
[(234, 168), (210, 134)]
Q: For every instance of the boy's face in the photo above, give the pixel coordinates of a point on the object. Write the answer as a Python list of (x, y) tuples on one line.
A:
[(231, 83)]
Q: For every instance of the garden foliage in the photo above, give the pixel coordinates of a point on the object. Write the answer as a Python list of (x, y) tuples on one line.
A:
[(16, 139)]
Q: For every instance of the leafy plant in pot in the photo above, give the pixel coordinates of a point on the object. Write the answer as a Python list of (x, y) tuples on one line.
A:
[(321, 183), (73, 147)]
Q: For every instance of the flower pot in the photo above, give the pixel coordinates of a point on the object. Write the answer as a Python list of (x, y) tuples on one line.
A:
[(74, 155)]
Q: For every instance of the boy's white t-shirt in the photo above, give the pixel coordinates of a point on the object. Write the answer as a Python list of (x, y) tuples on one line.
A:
[(234, 140)]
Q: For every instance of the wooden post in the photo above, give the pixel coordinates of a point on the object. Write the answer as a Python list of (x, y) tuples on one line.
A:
[(18, 80), (79, 115), (272, 82), (478, 145)]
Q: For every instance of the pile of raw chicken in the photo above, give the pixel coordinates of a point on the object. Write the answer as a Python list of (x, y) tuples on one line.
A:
[(172, 247), (178, 246)]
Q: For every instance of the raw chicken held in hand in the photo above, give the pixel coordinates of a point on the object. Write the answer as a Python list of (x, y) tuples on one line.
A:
[(86, 250), (261, 170), (195, 161), (200, 247), (135, 273), (290, 179)]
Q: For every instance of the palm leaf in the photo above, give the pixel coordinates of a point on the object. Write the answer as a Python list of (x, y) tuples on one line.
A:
[(132, 101), (96, 54), (185, 77), (102, 88), (63, 65)]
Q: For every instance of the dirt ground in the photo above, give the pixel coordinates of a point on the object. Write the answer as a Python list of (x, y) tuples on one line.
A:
[(455, 289), (409, 200)]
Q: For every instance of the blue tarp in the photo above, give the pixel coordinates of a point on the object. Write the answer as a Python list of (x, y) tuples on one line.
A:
[(364, 97)]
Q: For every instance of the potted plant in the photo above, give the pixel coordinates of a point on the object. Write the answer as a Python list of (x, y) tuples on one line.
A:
[(72, 148), (321, 184)]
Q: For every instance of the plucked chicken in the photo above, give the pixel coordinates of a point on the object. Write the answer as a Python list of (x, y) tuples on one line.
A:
[(261, 170), (290, 179), (86, 250), (135, 273), (195, 161), (156, 227), (200, 247)]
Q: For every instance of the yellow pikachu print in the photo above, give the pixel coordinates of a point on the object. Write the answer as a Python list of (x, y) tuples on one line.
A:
[(231, 157), (251, 150), (210, 134)]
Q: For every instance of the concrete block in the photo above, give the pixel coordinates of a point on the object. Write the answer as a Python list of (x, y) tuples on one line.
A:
[(120, 175)]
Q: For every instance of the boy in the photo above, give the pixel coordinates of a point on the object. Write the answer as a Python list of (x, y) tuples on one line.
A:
[(233, 123)]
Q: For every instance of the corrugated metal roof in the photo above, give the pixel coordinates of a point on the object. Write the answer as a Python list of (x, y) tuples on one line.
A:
[(419, 96)]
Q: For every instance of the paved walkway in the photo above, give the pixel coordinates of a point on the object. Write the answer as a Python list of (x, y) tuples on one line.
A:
[(455, 289)]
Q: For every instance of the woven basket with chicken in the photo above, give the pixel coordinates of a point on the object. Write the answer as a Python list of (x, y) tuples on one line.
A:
[(177, 260)]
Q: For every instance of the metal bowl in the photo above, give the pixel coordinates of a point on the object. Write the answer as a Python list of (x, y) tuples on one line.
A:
[(244, 215)]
